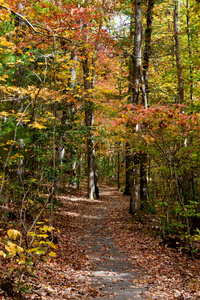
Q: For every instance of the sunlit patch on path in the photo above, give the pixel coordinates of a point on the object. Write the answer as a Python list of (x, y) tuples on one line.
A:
[(79, 215)]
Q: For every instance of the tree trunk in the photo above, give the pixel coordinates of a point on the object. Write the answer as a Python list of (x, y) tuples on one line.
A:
[(137, 56), (73, 70), (89, 121), (191, 80), (143, 181), (128, 156), (128, 169), (177, 52), (118, 167), (137, 67), (147, 48), (92, 177), (131, 58), (147, 53), (67, 119), (134, 197)]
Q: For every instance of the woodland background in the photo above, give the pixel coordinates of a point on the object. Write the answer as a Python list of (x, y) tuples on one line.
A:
[(102, 91)]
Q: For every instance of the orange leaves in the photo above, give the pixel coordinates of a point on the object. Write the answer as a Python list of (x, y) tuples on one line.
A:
[(163, 125)]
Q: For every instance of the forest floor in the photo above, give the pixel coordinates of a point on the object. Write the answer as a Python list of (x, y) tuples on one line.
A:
[(103, 253)]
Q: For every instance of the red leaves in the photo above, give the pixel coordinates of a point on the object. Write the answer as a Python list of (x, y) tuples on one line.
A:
[(170, 119)]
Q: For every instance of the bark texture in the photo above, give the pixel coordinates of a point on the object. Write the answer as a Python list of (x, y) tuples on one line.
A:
[(143, 181), (137, 67), (191, 81), (129, 167), (89, 122), (134, 197), (147, 48), (177, 52), (137, 56)]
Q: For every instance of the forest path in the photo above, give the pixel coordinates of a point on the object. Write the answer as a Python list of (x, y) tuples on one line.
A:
[(112, 270), (103, 253), (103, 250)]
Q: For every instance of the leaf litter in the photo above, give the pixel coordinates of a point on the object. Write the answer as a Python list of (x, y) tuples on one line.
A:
[(166, 273)]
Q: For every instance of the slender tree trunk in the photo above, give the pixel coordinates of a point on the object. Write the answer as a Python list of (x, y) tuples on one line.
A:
[(137, 56), (177, 52), (68, 114), (73, 70), (89, 122), (129, 167), (131, 59), (128, 156), (118, 167), (134, 197), (144, 95), (147, 53), (137, 67), (96, 176), (147, 48), (190, 53), (89, 118), (143, 180)]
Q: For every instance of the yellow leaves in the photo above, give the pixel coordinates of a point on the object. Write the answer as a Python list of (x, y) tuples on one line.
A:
[(2, 79), (5, 43), (13, 248), (19, 51), (46, 228), (10, 247), (4, 14), (77, 95), (2, 254), (4, 114), (33, 250), (53, 246), (33, 180), (53, 254), (16, 157), (37, 250), (21, 261), (90, 90), (37, 125), (13, 234), (40, 244), (31, 233), (10, 142), (196, 238), (59, 98)]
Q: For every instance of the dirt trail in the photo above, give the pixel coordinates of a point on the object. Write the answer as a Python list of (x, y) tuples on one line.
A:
[(111, 269), (102, 251)]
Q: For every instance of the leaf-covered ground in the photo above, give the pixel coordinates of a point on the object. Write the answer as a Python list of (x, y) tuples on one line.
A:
[(169, 274), (166, 273)]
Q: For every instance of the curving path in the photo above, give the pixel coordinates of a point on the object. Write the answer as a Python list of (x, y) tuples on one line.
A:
[(112, 271)]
